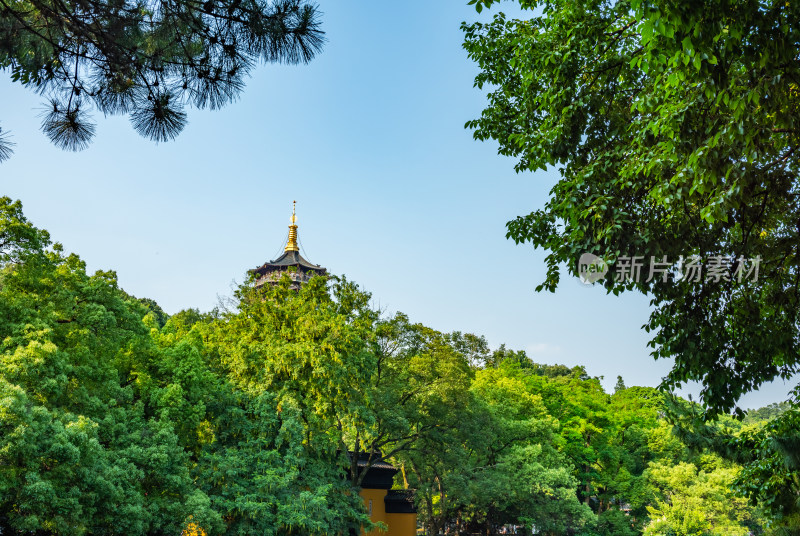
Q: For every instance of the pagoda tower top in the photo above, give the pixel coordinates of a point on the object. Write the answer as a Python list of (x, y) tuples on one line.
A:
[(291, 244), (291, 262)]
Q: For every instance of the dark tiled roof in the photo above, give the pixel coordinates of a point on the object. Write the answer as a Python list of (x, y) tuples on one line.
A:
[(400, 495), (399, 501), (377, 461), (289, 258), (377, 464), (379, 475)]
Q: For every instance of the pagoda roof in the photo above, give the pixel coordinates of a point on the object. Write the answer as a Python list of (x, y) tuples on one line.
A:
[(291, 257), (288, 259)]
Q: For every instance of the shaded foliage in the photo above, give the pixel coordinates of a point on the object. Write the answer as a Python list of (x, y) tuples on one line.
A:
[(673, 128), (148, 59)]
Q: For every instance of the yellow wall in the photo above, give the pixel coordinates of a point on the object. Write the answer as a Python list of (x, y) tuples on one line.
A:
[(378, 507), (402, 524), (399, 524)]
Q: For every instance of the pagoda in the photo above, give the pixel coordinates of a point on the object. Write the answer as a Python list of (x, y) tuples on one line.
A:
[(291, 262)]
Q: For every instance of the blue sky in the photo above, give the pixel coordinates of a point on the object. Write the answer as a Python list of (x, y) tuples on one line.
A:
[(391, 191)]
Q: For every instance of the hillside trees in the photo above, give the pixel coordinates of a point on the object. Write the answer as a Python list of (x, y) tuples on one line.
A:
[(673, 128), (146, 59), (604, 439), (306, 358), (619, 446), (501, 466), (765, 447), (110, 423), (115, 416), (79, 452), (418, 389), (521, 476), (696, 501)]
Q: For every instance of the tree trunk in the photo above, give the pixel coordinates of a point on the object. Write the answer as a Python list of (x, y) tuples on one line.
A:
[(588, 488)]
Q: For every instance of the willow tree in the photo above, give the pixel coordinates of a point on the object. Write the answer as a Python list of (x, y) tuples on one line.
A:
[(148, 59)]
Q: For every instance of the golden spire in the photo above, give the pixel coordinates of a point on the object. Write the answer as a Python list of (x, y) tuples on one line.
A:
[(291, 245)]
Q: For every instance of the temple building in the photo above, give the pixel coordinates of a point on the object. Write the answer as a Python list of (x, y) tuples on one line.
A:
[(291, 263), (392, 507)]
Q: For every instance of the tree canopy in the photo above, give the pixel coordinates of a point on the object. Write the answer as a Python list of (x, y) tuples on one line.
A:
[(115, 416), (147, 59), (673, 126), (110, 421)]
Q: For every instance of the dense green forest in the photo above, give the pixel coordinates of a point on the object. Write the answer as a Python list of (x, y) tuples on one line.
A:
[(118, 418)]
